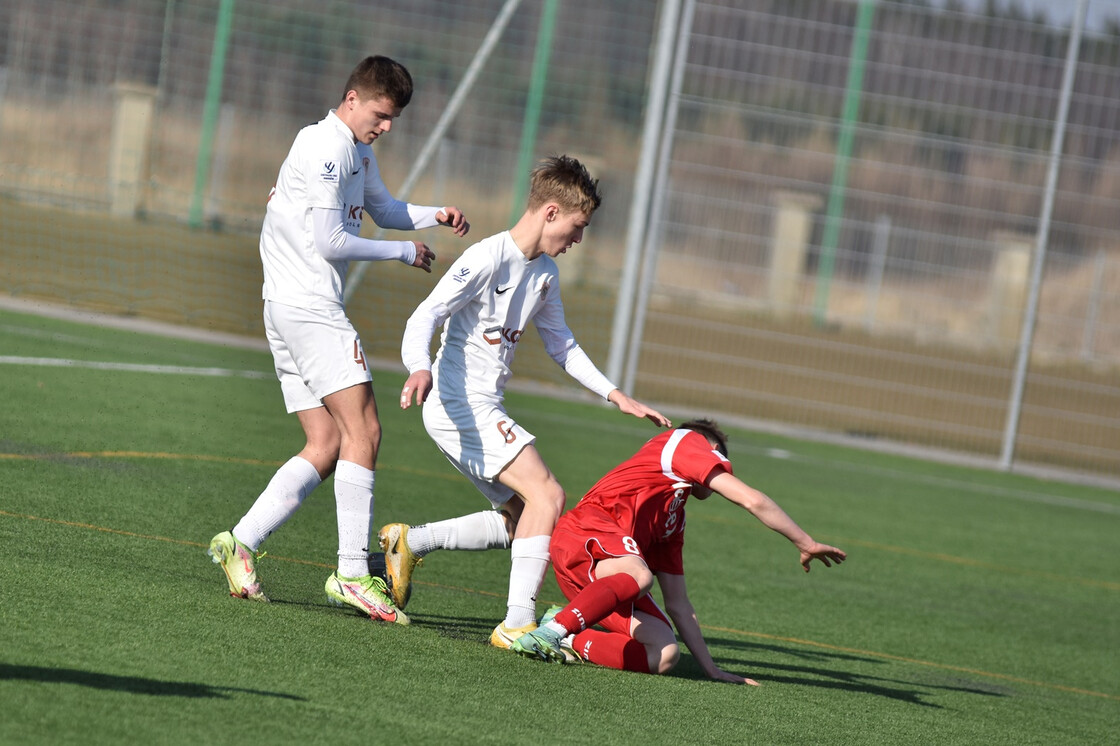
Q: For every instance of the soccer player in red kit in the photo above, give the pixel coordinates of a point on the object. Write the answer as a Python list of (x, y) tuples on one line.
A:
[(628, 529)]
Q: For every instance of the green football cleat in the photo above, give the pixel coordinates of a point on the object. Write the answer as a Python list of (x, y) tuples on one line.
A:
[(550, 614), (542, 644), (366, 594), (239, 564), (570, 654), (399, 561)]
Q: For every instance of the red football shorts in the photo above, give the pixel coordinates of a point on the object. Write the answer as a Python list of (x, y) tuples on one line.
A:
[(576, 550)]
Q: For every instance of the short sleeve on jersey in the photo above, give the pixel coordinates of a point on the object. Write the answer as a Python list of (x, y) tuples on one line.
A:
[(694, 460), (324, 182)]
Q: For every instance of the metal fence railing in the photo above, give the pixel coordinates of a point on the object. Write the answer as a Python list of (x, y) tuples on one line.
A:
[(838, 204)]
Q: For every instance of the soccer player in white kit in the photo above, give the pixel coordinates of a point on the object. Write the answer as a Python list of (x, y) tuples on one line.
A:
[(310, 234), (485, 302)]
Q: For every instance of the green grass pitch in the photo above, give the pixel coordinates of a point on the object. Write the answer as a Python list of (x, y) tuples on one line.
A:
[(975, 608)]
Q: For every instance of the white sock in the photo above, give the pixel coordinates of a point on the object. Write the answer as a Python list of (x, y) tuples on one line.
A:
[(353, 497), (474, 532), (285, 492), (529, 562)]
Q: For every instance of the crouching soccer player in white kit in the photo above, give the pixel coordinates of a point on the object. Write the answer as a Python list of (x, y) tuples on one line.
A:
[(486, 301), (309, 236)]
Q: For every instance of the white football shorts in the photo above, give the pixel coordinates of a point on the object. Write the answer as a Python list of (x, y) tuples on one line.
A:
[(479, 440), (316, 353)]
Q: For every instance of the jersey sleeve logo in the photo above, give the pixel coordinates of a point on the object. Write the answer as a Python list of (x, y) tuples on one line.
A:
[(329, 173), (462, 275)]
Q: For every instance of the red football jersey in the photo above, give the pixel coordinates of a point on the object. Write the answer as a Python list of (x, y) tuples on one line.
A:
[(644, 496)]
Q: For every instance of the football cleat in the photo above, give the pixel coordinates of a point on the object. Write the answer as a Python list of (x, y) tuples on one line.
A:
[(542, 644), (399, 561), (550, 614), (239, 564), (504, 637), (570, 654), (366, 594)]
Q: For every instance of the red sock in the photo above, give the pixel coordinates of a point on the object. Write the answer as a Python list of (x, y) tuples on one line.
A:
[(597, 601), (612, 649)]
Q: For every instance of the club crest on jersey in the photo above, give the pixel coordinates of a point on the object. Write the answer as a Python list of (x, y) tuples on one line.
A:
[(461, 275), (544, 289), (329, 172), (365, 163)]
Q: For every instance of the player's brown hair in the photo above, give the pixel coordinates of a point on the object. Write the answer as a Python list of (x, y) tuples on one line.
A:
[(710, 430), (378, 76), (565, 181)]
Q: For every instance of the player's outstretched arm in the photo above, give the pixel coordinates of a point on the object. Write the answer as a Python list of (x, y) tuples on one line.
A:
[(628, 405), (684, 619), (774, 518), (454, 219)]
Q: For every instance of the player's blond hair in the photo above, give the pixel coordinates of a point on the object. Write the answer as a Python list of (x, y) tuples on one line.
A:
[(377, 77), (565, 181)]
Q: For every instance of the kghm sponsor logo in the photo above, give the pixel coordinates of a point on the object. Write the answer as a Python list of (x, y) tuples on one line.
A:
[(495, 335)]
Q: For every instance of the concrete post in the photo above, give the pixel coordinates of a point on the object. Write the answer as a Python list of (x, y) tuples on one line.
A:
[(789, 243), (128, 148), (1007, 286)]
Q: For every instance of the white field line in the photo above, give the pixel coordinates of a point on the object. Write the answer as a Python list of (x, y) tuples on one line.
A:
[(53, 362), (923, 453)]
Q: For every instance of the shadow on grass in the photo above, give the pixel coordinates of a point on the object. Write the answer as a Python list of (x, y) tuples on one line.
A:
[(131, 684), (457, 627), (825, 676)]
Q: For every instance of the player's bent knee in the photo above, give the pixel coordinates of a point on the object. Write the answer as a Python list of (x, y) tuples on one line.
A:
[(642, 575), (322, 450), (373, 433), (664, 659), (557, 497), (552, 499)]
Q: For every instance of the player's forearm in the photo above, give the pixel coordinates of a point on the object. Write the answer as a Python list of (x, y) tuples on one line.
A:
[(417, 339), (761, 507), (578, 365), (776, 519), (688, 627), (402, 216), (335, 243)]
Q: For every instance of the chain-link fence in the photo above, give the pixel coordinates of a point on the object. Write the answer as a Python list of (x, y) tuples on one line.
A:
[(855, 198), (845, 205)]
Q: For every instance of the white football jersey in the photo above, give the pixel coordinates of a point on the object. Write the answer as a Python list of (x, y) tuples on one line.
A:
[(325, 168), (486, 301)]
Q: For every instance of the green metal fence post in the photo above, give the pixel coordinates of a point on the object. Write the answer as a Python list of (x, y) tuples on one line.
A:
[(210, 109), (541, 59), (835, 208)]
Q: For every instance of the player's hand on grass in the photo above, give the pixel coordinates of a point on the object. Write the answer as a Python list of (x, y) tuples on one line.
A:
[(424, 256), (823, 552), (627, 405), (416, 388), (454, 219), (721, 675)]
